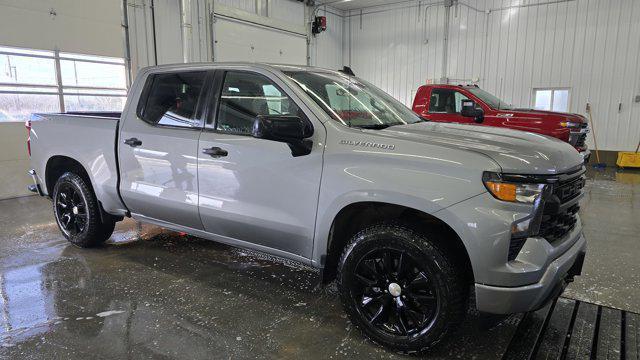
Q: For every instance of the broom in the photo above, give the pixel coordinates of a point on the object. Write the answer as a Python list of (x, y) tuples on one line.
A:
[(598, 164)]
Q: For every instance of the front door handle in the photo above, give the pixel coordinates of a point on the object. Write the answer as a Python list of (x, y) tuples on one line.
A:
[(133, 142), (215, 152)]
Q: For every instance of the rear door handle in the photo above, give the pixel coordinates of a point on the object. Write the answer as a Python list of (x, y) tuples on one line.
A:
[(215, 152), (133, 142)]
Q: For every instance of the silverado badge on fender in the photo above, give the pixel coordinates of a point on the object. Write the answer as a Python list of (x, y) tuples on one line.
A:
[(368, 144)]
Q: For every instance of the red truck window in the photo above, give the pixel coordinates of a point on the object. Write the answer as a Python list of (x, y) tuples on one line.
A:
[(446, 101)]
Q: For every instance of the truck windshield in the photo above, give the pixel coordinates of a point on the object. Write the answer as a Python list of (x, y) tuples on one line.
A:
[(489, 99), (352, 101)]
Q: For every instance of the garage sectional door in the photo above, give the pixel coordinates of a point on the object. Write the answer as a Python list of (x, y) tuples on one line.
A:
[(241, 41)]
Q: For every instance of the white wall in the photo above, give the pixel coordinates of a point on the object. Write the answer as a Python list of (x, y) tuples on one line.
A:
[(241, 41), (396, 50), (88, 26), (14, 160), (590, 46), (286, 15), (327, 48), (166, 45)]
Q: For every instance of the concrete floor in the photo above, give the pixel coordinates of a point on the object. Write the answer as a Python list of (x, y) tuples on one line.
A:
[(151, 293)]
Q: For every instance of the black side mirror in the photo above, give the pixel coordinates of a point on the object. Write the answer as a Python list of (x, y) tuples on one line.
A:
[(289, 129), (471, 109)]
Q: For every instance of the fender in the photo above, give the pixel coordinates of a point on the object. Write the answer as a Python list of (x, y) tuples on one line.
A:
[(324, 223)]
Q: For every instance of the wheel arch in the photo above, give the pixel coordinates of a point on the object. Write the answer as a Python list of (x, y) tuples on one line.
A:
[(358, 215), (57, 165)]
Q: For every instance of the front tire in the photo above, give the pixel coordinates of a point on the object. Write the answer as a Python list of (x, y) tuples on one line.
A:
[(400, 289), (77, 213)]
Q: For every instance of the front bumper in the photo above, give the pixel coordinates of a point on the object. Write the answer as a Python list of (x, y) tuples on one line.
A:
[(508, 300)]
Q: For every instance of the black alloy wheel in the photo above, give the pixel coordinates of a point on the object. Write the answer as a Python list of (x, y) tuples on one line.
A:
[(78, 214), (400, 288), (395, 293), (71, 210)]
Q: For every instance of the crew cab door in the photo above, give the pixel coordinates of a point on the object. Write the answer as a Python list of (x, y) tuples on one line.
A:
[(254, 190), (158, 149), (445, 105)]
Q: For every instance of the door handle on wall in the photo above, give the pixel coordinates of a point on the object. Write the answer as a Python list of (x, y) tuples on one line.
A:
[(215, 152), (133, 142)]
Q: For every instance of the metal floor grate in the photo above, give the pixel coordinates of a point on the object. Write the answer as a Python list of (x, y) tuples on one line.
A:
[(570, 329)]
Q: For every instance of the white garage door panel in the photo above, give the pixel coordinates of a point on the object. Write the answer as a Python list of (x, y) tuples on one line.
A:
[(238, 41)]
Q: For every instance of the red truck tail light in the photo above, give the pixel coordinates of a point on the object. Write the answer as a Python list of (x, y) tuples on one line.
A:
[(27, 124)]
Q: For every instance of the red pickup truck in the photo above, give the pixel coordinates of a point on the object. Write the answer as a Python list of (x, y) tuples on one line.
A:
[(470, 104)]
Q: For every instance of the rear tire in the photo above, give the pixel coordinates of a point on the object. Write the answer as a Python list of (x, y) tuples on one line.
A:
[(77, 212), (400, 289)]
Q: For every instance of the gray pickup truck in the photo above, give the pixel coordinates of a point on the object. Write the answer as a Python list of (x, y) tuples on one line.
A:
[(410, 217)]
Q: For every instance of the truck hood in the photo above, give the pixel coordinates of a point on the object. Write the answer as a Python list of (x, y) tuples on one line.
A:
[(515, 151), (547, 115)]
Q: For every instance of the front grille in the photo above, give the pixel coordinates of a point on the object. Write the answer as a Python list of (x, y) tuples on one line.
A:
[(569, 189), (556, 226), (560, 211), (580, 140), (577, 139)]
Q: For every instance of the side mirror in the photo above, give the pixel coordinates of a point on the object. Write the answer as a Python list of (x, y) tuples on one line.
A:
[(289, 129), (471, 109)]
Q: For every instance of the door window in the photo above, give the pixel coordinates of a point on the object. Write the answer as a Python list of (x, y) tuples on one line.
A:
[(246, 95), (172, 98), (446, 101)]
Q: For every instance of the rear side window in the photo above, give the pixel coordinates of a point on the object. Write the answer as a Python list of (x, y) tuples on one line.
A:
[(446, 101), (171, 99), (246, 95)]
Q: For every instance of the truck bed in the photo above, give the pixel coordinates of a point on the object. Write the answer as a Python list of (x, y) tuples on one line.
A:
[(86, 137)]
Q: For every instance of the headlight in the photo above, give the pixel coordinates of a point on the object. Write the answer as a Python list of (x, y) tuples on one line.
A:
[(512, 191), (571, 125)]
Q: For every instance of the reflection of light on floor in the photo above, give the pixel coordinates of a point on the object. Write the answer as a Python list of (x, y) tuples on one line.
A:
[(22, 300), (628, 178), (130, 231), (119, 238)]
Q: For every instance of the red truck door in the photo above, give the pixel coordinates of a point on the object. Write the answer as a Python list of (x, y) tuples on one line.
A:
[(444, 105)]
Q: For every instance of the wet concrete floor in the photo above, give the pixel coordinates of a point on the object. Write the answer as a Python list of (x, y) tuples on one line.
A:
[(151, 293)]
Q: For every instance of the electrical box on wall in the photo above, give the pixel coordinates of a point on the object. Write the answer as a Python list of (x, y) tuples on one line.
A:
[(319, 25)]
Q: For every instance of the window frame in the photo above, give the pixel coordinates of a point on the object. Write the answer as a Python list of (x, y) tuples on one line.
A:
[(212, 111), (59, 89), (454, 105), (199, 113), (553, 92)]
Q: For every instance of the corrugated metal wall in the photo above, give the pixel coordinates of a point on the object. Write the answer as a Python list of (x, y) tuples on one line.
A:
[(589, 46), (396, 48), (327, 47)]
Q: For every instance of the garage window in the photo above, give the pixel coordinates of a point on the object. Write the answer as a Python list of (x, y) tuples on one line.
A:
[(50, 81), (551, 99)]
